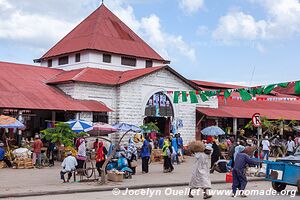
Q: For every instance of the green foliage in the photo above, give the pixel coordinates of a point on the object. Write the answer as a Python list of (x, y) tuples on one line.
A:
[(273, 126), (61, 134), (149, 127)]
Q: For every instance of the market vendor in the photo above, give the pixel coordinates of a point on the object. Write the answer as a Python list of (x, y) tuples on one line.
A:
[(2, 156)]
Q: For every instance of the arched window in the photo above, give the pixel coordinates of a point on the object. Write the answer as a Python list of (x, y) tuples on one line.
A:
[(159, 105)]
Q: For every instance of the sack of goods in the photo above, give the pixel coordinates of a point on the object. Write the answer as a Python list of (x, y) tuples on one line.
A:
[(196, 146), (22, 153)]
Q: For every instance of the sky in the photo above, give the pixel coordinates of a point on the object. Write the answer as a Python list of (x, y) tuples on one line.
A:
[(246, 42)]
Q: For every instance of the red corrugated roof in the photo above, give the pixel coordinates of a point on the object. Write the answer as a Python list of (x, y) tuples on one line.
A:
[(214, 85), (102, 76), (289, 90), (24, 87), (289, 110), (103, 31)]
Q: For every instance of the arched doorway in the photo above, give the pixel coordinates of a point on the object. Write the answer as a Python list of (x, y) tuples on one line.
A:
[(159, 110)]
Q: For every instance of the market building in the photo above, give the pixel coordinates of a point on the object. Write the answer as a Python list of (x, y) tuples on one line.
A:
[(100, 71), (103, 71)]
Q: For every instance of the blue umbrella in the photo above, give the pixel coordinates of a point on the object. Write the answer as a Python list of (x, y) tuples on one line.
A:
[(213, 131), (127, 127), (16, 124), (80, 125)]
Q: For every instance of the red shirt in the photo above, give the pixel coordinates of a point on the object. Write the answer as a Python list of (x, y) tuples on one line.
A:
[(37, 146)]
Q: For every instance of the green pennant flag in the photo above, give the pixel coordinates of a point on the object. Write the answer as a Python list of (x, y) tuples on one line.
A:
[(283, 85), (184, 97), (297, 87), (245, 95), (209, 93), (259, 90), (203, 97), (176, 97), (269, 88), (253, 92), (193, 97), (227, 94)]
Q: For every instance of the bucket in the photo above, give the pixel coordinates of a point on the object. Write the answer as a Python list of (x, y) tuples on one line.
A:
[(229, 177)]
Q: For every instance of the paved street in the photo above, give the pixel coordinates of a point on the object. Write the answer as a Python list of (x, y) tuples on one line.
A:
[(16, 181), (160, 193)]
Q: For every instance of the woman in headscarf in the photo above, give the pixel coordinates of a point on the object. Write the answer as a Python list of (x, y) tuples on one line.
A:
[(131, 155), (167, 152), (81, 154), (200, 175), (100, 157)]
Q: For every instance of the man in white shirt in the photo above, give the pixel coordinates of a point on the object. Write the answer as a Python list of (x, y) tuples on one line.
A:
[(69, 164), (266, 148), (290, 146)]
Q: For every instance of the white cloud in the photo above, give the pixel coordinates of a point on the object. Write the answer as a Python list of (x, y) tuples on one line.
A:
[(40, 24), (191, 6), (149, 28), (282, 20), (238, 25)]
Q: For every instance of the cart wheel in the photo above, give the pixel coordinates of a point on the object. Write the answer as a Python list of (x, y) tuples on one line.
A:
[(278, 186)]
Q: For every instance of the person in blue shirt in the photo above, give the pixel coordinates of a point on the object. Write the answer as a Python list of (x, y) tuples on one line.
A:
[(161, 142), (2, 156), (238, 172), (175, 146), (145, 155)]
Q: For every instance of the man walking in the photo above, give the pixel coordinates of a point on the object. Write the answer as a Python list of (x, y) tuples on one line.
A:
[(290, 146), (266, 148)]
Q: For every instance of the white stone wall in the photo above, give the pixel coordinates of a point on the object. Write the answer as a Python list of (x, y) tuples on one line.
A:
[(134, 96), (94, 59), (129, 100)]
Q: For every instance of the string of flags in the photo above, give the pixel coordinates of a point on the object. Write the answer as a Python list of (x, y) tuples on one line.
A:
[(246, 94)]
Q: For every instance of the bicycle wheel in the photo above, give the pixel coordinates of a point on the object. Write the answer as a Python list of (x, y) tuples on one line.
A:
[(88, 168)]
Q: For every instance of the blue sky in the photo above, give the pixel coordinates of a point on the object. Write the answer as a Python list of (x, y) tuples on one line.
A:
[(212, 40)]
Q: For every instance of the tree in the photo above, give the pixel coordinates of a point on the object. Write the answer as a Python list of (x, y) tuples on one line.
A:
[(273, 126), (61, 134), (149, 127)]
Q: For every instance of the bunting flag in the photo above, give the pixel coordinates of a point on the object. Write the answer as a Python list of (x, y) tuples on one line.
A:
[(246, 94), (297, 87)]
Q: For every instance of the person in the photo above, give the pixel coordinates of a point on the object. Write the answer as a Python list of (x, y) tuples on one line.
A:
[(131, 155), (216, 154), (175, 147), (2, 156), (167, 152), (220, 166), (96, 145), (238, 172), (180, 144), (68, 165), (277, 147), (50, 153), (145, 155), (297, 140), (200, 173), (290, 146), (161, 142), (100, 156), (37, 151), (81, 154), (266, 148)]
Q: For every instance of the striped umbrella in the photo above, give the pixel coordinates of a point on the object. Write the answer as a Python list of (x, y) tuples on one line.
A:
[(100, 128), (80, 125)]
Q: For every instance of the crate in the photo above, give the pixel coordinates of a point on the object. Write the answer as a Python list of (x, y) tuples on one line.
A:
[(111, 176), (2, 164)]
